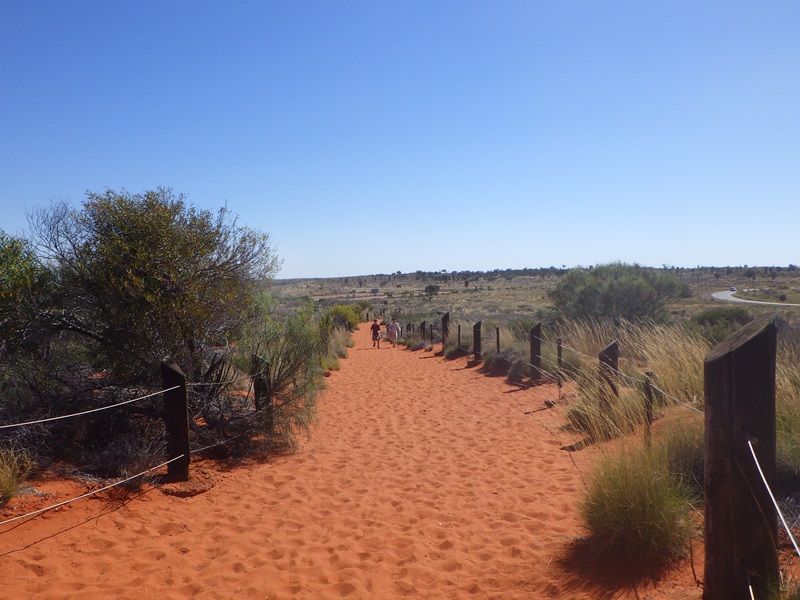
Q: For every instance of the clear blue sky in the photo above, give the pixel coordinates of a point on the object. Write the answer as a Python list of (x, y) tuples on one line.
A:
[(370, 137)]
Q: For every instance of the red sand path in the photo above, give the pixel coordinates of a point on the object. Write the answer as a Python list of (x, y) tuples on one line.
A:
[(423, 479)]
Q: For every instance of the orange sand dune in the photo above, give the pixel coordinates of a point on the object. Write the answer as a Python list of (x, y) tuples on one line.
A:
[(423, 479)]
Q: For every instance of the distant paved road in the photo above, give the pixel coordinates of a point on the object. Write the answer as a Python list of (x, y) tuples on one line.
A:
[(729, 296)]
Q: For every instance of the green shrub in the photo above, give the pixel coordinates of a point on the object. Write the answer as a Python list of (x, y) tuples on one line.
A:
[(715, 324), (293, 349), (616, 291), (344, 316), (635, 508)]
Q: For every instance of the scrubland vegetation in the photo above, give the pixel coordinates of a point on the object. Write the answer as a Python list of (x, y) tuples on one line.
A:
[(98, 296), (92, 303)]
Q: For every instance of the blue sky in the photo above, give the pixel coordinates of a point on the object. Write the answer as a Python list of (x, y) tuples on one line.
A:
[(372, 137)]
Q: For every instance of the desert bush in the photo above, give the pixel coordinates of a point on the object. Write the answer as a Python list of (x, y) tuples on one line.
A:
[(616, 291), (414, 342), (343, 316), (339, 340), (290, 352), (134, 446), (24, 281), (15, 464), (634, 507), (144, 276), (715, 324)]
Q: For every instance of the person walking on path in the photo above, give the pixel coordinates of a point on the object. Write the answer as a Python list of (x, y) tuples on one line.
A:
[(376, 334), (393, 332)]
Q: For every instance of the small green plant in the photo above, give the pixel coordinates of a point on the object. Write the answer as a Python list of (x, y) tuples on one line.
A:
[(14, 468), (635, 508)]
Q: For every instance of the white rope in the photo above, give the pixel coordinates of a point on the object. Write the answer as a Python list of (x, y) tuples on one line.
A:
[(674, 399), (242, 378), (86, 412), (750, 586), (772, 497), (92, 493)]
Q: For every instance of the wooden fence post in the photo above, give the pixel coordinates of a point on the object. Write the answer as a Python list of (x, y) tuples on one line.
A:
[(176, 421), (422, 330), (459, 335), (741, 522), (497, 333), (609, 363), (476, 341), (430, 327), (536, 351), (445, 329), (409, 329)]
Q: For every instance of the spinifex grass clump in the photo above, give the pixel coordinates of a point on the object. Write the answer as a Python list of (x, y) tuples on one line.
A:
[(681, 442), (455, 347), (673, 354), (635, 508), (603, 416), (14, 468)]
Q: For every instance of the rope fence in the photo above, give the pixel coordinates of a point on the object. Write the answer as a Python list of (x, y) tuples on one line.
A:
[(88, 494), (87, 412), (738, 395)]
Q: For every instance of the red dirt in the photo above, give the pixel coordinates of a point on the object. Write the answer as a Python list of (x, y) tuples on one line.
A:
[(424, 478)]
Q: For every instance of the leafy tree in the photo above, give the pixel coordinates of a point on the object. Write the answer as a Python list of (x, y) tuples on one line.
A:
[(143, 276), (617, 290), (23, 279), (431, 290)]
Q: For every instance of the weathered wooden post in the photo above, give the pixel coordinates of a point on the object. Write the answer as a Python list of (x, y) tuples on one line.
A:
[(430, 328), (536, 351), (409, 329), (176, 420), (741, 521), (422, 330), (459, 335), (609, 364), (445, 329), (648, 408), (497, 333), (476, 341)]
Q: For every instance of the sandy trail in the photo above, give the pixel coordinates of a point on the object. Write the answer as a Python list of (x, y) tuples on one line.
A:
[(423, 479)]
